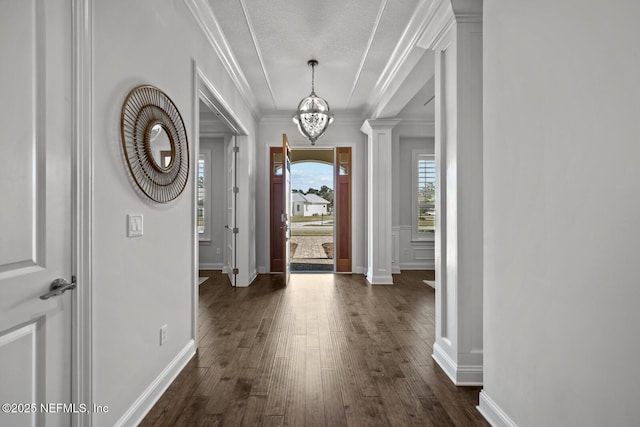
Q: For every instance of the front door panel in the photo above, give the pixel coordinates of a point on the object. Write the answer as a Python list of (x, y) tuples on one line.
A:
[(286, 208), (343, 209)]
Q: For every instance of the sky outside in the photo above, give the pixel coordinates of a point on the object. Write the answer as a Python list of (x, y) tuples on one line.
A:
[(305, 175)]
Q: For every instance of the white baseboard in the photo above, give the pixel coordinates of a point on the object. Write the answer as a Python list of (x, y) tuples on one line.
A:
[(395, 269), (493, 413), (210, 266), (459, 374), (262, 270), (360, 270), (150, 396)]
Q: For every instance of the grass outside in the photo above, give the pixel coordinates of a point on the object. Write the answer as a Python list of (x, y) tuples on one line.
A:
[(303, 232), (427, 222), (312, 218)]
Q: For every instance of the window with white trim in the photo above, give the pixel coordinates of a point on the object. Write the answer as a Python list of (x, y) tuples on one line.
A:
[(204, 195), (424, 195)]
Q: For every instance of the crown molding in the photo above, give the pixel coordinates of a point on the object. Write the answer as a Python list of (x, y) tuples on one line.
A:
[(208, 23), (376, 25), (429, 23), (256, 46), (397, 63), (443, 14)]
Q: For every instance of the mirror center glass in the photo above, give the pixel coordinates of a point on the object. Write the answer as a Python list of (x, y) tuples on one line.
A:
[(160, 147)]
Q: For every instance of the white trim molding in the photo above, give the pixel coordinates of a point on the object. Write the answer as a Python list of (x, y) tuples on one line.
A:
[(207, 21), (443, 15), (492, 412), (82, 210), (402, 60), (256, 46), (143, 404), (460, 375), (372, 36), (395, 251)]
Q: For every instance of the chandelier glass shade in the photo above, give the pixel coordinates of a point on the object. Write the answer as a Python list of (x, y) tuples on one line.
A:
[(313, 115)]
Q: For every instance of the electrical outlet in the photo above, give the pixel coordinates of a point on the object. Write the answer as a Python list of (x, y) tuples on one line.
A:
[(218, 251), (163, 334)]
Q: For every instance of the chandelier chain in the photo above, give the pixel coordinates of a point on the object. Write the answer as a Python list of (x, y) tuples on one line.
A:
[(313, 76)]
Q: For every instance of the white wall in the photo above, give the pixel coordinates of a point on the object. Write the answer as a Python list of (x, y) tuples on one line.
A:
[(313, 209), (140, 284), (343, 132), (562, 204), (209, 257)]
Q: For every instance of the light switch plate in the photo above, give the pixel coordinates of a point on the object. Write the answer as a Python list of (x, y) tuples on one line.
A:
[(134, 225)]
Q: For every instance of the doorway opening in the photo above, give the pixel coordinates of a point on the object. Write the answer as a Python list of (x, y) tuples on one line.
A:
[(215, 219), (335, 228), (312, 210)]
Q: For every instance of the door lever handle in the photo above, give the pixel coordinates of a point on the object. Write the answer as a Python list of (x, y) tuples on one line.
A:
[(58, 287)]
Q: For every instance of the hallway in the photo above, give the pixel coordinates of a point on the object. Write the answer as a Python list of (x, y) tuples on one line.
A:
[(326, 350)]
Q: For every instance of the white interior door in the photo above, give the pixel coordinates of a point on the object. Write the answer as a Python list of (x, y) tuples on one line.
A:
[(231, 227), (35, 225)]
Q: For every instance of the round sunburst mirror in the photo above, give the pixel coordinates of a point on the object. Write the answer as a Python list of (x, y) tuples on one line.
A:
[(154, 143)]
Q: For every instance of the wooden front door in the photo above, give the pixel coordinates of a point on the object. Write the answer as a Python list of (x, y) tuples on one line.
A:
[(280, 207), (342, 217), (285, 218), (276, 208)]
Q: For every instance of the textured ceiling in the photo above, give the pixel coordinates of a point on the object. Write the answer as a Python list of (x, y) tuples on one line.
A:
[(352, 40)]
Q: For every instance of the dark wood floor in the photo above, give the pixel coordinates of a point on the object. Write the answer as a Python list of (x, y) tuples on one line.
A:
[(326, 350)]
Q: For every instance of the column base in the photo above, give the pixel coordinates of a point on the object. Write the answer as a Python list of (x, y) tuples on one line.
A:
[(460, 375), (379, 279)]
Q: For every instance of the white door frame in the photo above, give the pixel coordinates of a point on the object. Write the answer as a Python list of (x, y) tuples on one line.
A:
[(81, 209), (204, 91)]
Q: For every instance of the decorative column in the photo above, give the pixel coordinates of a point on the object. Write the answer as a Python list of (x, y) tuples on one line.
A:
[(379, 200), (454, 32)]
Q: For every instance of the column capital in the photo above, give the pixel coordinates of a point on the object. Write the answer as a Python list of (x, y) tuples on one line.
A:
[(369, 125)]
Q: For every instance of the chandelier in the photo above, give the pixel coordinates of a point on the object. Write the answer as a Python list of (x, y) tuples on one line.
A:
[(313, 116)]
